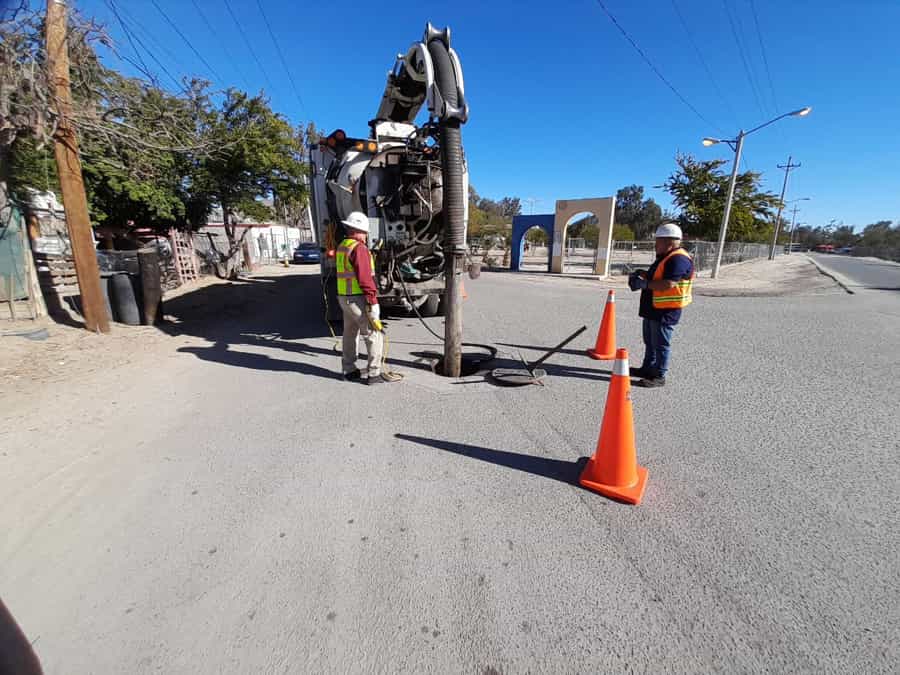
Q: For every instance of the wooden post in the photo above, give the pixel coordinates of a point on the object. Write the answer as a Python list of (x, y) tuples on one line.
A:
[(69, 168)]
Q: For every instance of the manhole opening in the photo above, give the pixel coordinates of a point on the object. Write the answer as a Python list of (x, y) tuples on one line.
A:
[(470, 363)]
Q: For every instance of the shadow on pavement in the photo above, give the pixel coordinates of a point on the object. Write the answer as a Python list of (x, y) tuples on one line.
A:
[(220, 353), (272, 312), (555, 469), (544, 350)]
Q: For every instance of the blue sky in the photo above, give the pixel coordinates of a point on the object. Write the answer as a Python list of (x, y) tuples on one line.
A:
[(562, 106)]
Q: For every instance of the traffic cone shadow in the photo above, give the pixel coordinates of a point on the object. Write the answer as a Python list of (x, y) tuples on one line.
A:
[(613, 471), (605, 346)]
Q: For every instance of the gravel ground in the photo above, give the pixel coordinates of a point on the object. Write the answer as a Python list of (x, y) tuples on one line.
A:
[(224, 511)]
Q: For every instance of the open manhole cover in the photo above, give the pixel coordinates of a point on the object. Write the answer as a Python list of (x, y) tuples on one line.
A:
[(517, 377)]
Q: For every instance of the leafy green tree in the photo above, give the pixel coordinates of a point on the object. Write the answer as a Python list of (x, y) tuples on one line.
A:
[(641, 215), (260, 157), (699, 190), (622, 233)]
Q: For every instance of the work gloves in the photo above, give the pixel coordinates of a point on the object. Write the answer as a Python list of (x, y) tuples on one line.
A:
[(373, 312), (636, 282)]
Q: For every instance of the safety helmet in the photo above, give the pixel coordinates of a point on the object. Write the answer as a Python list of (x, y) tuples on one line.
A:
[(668, 231), (357, 221)]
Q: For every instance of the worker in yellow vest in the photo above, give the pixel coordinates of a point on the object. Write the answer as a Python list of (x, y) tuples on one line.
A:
[(665, 291), (358, 298)]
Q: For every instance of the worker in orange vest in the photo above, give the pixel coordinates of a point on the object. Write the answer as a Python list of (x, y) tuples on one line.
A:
[(358, 298), (665, 292)]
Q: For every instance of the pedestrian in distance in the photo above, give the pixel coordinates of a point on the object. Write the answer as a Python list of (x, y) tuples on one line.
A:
[(665, 292), (358, 299)]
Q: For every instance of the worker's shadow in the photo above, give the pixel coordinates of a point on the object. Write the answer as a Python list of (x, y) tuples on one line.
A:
[(555, 469), (276, 342), (220, 353)]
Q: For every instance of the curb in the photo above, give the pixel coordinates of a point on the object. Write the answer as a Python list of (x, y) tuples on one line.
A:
[(839, 279)]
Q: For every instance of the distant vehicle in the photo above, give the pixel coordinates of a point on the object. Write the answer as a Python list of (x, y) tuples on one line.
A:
[(825, 248), (845, 250), (795, 248), (307, 252)]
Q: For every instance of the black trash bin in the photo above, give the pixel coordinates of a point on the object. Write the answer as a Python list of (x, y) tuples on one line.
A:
[(123, 299)]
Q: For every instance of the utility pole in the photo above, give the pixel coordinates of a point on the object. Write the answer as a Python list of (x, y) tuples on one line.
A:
[(787, 170), (531, 202), (720, 247), (793, 220), (68, 165)]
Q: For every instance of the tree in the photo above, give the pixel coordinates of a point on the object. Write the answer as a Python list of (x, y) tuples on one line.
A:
[(536, 236), (641, 215), (699, 190), (260, 158), (622, 233)]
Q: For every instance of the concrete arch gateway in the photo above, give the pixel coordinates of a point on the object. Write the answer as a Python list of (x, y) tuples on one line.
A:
[(554, 224)]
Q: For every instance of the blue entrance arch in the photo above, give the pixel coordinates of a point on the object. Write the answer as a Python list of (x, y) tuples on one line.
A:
[(521, 225)]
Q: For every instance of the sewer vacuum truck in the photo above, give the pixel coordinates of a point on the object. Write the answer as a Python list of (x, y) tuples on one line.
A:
[(411, 180)]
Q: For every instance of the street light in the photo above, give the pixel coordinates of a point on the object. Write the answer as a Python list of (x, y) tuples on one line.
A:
[(737, 145)]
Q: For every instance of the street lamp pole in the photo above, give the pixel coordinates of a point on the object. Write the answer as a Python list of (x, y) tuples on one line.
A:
[(739, 146)]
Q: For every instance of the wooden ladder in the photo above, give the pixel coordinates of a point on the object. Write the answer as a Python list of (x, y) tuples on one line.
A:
[(183, 252)]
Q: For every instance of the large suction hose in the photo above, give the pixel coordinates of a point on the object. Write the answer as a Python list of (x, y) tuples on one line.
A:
[(451, 151)]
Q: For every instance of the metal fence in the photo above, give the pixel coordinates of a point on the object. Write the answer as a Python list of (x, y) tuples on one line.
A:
[(629, 255)]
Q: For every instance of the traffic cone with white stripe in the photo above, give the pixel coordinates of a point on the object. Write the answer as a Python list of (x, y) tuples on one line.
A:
[(605, 347), (613, 471)]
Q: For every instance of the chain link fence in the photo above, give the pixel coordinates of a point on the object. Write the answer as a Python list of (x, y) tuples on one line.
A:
[(630, 255)]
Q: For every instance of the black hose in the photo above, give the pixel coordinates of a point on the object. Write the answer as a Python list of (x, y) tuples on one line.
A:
[(451, 151)]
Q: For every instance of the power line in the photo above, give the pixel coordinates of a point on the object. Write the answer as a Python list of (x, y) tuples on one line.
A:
[(743, 56), (283, 60), (249, 46), (187, 42), (112, 7), (762, 48), (136, 27), (128, 33), (653, 67), (705, 64), (212, 31)]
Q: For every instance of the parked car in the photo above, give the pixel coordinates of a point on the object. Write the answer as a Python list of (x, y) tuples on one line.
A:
[(824, 248), (307, 252), (845, 250)]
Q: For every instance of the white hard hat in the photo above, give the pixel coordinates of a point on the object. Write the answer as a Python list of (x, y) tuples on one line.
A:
[(668, 231), (357, 221)]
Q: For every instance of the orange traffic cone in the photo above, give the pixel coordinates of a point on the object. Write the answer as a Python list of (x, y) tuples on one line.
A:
[(462, 288), (605, 348), (613, 470)]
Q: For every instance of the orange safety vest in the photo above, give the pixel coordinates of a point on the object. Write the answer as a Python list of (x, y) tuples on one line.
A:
[(347, 283), (679, 295)]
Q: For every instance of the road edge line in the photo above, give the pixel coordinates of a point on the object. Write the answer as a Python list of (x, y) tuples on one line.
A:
[(839, 279)]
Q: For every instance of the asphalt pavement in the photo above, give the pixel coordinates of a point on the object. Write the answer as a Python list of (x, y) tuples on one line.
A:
[(237, 508), (872, 273)]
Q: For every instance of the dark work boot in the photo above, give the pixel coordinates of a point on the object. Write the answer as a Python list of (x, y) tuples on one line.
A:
[(353, 376), (639, 372), (651, 382)]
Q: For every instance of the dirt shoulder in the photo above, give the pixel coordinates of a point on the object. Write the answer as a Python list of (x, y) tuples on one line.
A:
[(70, 353), (784, 276)]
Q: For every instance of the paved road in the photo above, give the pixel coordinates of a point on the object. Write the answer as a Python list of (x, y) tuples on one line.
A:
[(863, 272), (219, 512)]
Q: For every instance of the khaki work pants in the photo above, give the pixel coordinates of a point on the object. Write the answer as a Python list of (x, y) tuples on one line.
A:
[(356, 323)]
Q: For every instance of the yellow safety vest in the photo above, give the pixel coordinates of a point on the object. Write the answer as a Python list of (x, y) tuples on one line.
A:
[(679, 295), (347, 283)]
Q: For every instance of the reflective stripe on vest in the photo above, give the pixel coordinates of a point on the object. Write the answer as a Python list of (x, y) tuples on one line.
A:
[(347, 283), (679, 295)]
